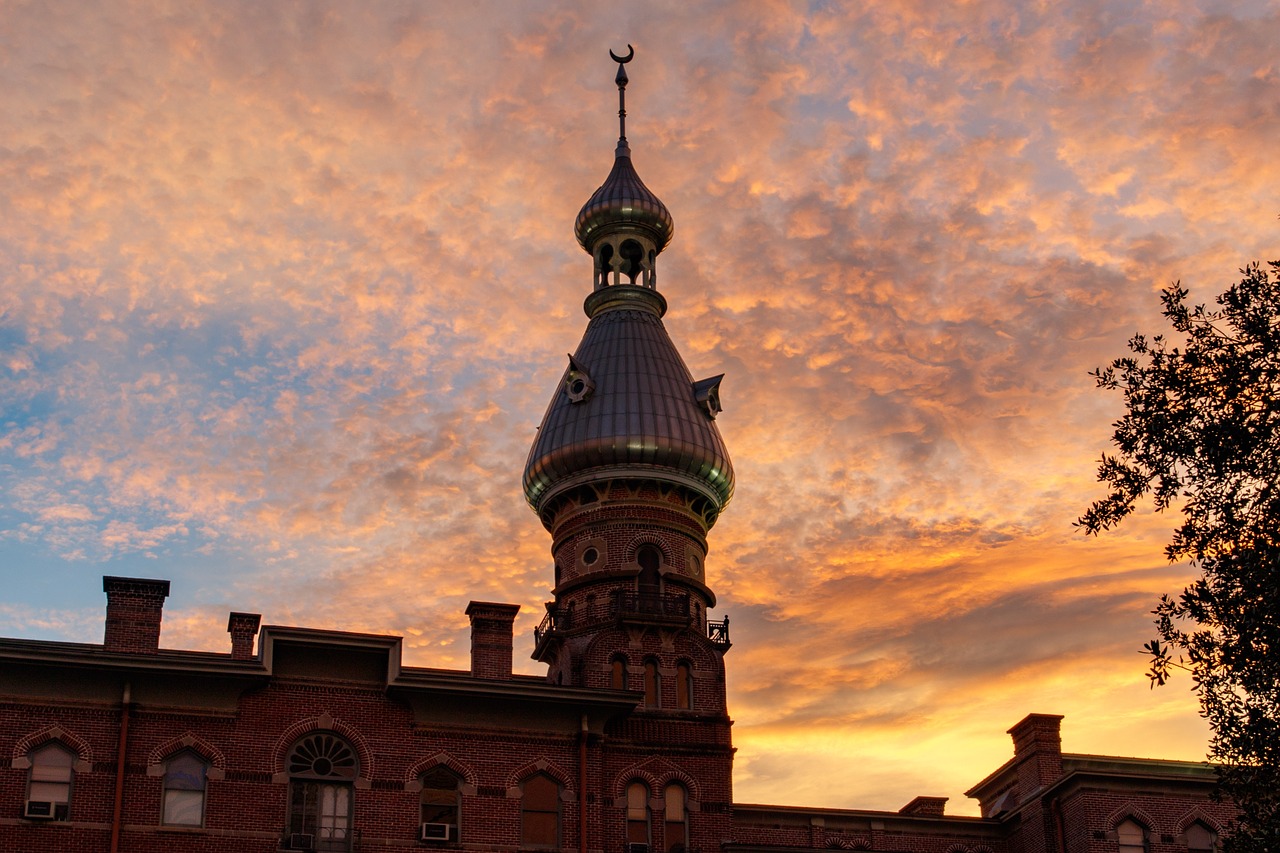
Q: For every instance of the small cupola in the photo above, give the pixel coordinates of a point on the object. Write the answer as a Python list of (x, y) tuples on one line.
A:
[(623, 226)]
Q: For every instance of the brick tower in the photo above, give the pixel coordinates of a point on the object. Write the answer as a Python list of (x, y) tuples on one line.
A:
[(628, 473)]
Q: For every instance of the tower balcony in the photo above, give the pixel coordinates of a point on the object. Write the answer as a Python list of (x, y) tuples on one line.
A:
[(628, 607)]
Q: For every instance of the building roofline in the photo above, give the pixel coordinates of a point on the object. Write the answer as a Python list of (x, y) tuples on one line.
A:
[(56, 653), (868, 813)]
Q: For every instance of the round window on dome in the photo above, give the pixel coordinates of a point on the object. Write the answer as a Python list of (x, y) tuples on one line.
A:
[(590, 557)]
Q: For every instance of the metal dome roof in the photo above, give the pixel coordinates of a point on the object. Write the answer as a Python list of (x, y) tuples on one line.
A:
[(641, 416), (623, 202)]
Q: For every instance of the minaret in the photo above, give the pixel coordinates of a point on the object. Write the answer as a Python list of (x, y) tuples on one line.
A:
[(629, 473)]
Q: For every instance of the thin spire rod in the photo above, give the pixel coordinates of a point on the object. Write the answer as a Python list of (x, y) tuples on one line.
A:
[(621, 80)]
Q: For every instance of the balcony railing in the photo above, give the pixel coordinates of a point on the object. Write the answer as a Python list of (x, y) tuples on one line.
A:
[(651, 604), (629, 605), (718, 632)]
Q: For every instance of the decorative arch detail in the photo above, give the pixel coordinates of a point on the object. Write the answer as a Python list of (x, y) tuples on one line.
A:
[(188, 741), (1197, 815), (1118, 817), (634, 774), (55, 732), (633, 548), (324, 722), (657, 772), (442, 759), (515, 781)]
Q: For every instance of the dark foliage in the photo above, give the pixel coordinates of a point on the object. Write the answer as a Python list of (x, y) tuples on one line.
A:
[(1201, 431)]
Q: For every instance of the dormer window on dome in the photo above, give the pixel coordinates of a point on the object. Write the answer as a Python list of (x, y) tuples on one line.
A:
[(578, 384)]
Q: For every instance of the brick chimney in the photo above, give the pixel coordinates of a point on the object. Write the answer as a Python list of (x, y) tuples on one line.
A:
[(134, 606), (1037, 752), (491, 626), (930, 806), (243, 627)]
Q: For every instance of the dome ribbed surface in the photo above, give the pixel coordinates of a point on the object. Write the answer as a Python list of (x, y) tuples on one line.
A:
[(623, 200), (641, 420)]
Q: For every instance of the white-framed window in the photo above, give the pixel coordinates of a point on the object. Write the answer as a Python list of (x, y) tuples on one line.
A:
[(185, 777), (50, 778)]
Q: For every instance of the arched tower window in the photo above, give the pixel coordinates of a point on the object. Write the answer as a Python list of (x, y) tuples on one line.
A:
[(322, 769), (1132, 837), (650, 560), (185, 774), (604, 266), (675, 818), (684, 686), (632, 255), (652, 684), (1201, 839), (441, 801), (49, 781), (540, 811), (618, 673), (637, 813)]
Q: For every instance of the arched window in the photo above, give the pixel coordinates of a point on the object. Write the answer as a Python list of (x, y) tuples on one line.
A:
[(684, 686), (652, 684), (49, 783), (1132, 837), (540, 811), (322, 768), (442, 803), (618, 673), (650, 560), (1201, 839), (637, 813), (675, 818), (185, 774)]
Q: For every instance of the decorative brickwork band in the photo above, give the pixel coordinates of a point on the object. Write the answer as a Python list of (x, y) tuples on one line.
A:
[(134, 607), (491, 626), (243, 627)]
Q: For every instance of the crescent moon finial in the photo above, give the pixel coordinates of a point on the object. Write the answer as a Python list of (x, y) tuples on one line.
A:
[(623, 60)]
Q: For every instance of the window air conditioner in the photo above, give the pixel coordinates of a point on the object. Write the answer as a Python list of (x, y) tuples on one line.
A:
[(435, 831), (40, 809), (301, 841), (634, 847)]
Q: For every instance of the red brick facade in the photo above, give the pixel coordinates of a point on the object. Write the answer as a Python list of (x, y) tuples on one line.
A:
[(494, 732)]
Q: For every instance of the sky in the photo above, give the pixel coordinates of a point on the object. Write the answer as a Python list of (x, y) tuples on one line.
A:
[(285, 289)]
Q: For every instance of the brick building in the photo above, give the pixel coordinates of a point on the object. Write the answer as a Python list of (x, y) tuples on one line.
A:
[(304, 739)]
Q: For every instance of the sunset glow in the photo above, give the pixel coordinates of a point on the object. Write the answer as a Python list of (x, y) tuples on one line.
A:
[(285, 289)]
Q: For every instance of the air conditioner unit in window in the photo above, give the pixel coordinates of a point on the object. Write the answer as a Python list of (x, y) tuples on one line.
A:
[(634, 847), (435, 832), (300, 841), (39, 809)]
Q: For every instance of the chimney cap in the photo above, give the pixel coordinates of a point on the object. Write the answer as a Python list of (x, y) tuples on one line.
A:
[(154, 586)]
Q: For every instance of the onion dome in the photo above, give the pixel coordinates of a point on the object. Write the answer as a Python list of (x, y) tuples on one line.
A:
[(623, 203), (628, 407)]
